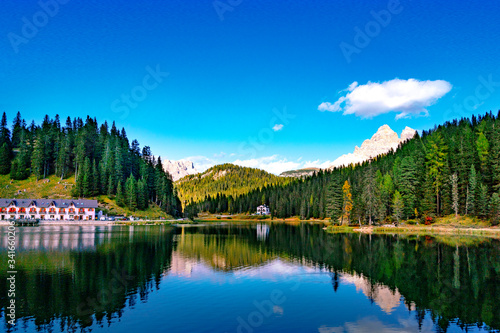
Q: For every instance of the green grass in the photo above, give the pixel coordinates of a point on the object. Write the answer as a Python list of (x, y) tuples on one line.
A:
[(461, 222), (153, 212), (336, 229), (51, 187)]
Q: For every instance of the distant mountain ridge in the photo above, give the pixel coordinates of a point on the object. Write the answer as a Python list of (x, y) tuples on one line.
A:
[(179, 169), (299, 173)]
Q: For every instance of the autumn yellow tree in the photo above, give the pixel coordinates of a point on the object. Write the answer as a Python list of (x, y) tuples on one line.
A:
[(347, 203)]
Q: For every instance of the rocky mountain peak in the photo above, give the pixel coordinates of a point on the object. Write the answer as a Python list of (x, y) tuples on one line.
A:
[(179, 169), (408, 133), (381, 142)]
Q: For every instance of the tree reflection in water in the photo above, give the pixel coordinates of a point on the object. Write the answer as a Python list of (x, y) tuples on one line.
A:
[(75, 278)]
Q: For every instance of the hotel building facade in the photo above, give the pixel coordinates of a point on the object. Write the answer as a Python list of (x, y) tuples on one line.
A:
[(48, 209)]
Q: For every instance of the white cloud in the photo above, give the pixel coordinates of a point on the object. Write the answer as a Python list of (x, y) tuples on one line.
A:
[(273, 164), (407, 97), (317, 164), (201, 163), (375, 325), (277, 127)]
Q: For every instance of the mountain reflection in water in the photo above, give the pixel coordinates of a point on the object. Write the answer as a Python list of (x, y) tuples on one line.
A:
[(120, 278)]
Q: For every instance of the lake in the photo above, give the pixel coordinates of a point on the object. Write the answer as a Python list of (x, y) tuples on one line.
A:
[(248, 278)]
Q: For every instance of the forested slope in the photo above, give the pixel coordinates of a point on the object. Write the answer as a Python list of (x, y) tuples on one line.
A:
[(453, 168), (227, 180), (98, 159)]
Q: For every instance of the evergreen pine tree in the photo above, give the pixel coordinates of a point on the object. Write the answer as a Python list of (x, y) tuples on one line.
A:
[(111, 186), (495, 156), (370, 195), (471, 191), (334, 200), (494, 209), (436, 164), (397, 206), (142, 198), (95, 179), (303, 210), (120, 197), (4, 131), (87, 179), (482, 202), (408, 185), (131, 193), (38, 160), (454, 191), (5, 162), (16, 130), (482, 146)]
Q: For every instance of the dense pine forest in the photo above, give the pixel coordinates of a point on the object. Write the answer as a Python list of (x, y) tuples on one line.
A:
[(226, 180), (453, 169), (101, 160)]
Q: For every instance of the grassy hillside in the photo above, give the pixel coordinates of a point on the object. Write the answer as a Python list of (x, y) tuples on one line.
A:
[(51, 187), (153, 212), (227, 179), (55, 188)]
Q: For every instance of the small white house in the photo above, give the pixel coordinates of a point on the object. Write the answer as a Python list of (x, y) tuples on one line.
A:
[(263, 210)]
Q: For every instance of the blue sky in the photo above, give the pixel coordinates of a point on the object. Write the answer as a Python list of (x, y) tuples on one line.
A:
[(209, 79)]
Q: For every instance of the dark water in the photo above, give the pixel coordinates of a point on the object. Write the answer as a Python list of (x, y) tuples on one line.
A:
[(249, 278)]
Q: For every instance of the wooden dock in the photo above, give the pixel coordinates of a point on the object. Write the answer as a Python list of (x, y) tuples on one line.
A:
[(26, 222)]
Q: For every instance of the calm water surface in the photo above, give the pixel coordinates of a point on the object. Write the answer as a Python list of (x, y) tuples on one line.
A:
[(249, 278)]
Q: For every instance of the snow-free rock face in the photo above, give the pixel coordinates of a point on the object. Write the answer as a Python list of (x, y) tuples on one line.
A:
[(299, 173), (179, 169), (381, 142)]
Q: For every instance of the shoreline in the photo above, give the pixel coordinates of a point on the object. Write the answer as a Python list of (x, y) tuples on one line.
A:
[(491, 232), (96, 223)]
